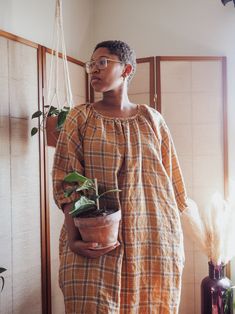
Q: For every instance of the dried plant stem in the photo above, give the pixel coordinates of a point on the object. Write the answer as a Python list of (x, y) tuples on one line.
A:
[(96, 192)]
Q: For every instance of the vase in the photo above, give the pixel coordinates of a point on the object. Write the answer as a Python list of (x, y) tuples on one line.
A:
[(216, 292)]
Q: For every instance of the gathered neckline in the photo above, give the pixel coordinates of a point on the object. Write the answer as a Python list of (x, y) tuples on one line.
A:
[(101, 115)]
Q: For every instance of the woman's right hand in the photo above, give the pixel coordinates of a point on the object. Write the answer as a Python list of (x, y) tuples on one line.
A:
[(88, 249), (76, 245)]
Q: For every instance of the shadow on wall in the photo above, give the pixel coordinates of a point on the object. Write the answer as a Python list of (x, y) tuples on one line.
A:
[(15, 136)]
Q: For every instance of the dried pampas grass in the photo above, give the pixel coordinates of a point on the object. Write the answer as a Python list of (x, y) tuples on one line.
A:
[(213, 228)]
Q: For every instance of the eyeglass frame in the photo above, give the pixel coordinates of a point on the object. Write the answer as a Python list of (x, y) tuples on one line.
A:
[(95, 64)]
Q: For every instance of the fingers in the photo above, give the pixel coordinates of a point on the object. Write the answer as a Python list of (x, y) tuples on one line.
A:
[(90, 249), (93, 253)]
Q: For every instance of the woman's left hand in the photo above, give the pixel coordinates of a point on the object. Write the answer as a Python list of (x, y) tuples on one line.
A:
[(85, 249)]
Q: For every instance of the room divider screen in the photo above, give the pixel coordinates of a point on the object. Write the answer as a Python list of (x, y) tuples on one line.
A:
[(20, 225), (190, 92)]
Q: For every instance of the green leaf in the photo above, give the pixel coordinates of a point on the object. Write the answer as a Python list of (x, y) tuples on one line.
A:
[(2, 278), (36, 114), (87, 185), (53, 111), (82, 205), (34, 131), (2, 270), (67, 193), (3, 282), (75, 177), (61, 119), (109, 191)]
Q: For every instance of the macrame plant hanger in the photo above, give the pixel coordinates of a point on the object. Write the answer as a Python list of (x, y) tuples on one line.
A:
[(57, 108)]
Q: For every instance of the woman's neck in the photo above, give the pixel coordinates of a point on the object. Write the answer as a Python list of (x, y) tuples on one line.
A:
[(116, 102)]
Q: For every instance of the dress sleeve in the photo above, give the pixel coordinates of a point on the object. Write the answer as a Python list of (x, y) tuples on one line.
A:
[(68, 157), (171, 164)]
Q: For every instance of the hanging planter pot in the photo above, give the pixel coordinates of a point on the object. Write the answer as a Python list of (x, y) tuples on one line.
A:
[(53, 120), (56, 109), (52, 133)]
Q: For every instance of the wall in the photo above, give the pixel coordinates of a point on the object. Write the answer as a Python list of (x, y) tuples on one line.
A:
[(34, 20), (184, 27)]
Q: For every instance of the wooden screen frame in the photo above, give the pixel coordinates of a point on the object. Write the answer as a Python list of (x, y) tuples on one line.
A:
[(46, 210), (155, 84), (43, 168), (149, 60), (223, 61)]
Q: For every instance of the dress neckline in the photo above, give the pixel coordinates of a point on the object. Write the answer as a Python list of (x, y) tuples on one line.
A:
[(101, 115)]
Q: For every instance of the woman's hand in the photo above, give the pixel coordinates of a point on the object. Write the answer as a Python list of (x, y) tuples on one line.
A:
[(76, 244), (90, 250)]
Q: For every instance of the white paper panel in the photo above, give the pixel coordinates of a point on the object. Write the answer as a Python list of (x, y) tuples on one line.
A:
[(19, 181), (3, 57), (77, 79), (176, 77), (192, 107), (56, 222), (140, 82)]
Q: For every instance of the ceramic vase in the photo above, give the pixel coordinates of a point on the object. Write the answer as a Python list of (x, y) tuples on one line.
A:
[(216, 292)]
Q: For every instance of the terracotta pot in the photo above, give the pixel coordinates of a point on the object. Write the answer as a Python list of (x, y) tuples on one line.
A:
[(52, 133), (101, 229)]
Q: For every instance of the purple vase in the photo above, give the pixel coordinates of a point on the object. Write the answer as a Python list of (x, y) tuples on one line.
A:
[(216, 292)]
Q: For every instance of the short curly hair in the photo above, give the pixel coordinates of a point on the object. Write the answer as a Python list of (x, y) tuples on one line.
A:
[(124, 52)]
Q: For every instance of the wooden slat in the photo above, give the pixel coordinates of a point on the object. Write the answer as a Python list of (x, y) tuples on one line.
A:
[(45, 221), (18, 39), (73, 60)]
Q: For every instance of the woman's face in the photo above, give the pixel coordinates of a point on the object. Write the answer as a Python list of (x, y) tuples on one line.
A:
[(109, 78)]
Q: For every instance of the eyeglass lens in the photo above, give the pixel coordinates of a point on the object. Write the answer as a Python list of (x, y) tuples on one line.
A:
[(101, 64)]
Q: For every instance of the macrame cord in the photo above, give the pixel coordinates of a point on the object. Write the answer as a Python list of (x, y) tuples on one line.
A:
[(58, 40)]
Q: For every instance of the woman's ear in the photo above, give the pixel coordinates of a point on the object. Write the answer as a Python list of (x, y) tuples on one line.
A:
[(127, 70)]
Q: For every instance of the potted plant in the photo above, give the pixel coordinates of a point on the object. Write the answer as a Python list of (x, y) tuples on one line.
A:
[(2, 278), (53, 119), (95, 224)]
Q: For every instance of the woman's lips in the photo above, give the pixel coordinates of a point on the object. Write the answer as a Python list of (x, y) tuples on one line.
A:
[(95, 79)]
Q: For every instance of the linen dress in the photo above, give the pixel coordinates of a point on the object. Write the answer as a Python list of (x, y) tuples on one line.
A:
[(137, 155)]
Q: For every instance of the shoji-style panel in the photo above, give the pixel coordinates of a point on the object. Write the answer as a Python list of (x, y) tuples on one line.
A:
[(20, 243), (192, 102), (78, 80), (141, 89)]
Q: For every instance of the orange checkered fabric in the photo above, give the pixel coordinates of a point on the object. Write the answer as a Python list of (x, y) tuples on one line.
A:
[(137, 155)]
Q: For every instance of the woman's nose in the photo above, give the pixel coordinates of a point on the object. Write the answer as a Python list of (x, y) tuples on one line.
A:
[(95, 69)]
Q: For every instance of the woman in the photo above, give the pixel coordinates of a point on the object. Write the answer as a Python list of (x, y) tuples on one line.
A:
[(125, 146)]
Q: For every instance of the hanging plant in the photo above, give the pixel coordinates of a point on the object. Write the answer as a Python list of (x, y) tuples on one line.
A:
[(53, 121), (55, 113), (59, 114)]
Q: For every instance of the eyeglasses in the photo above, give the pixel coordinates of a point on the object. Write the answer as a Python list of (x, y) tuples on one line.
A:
[(101, 64)]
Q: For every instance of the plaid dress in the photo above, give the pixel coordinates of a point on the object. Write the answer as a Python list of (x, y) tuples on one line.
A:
[(137, 155)]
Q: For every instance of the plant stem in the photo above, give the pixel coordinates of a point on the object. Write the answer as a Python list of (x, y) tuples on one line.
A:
[(96, 192)]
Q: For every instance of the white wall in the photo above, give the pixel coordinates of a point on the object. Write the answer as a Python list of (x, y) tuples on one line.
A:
[(34, 20), (183, 27)]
